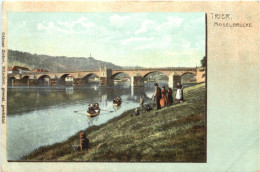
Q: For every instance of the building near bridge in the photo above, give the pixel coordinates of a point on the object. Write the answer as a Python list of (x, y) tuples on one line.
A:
[(69, 78), (18, 69)]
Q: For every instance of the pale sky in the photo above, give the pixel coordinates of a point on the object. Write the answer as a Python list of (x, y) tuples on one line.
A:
[(125, 39)]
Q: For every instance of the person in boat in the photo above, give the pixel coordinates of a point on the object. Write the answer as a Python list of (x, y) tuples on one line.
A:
[(91, 109), (141, 100), (179, 93), (148, 108), (163, 101), (117, 100), (170, 99), (157, 96), (96, 107)]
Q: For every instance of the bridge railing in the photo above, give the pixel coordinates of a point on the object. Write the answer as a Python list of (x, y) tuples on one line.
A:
[(52, 72), (157, 69), (124, 69)]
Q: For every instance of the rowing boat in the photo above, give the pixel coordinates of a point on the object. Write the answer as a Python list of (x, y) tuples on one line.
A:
[(94, 114), (118, 104)]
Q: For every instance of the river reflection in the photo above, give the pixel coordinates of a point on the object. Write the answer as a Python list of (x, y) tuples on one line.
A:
[(26, 99), (38, 116)]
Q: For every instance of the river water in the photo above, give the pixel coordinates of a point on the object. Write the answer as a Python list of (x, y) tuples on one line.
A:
[(39, 116)]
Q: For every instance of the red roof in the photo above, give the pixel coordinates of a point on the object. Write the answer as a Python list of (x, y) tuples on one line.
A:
[(10, 69), (16, 68)]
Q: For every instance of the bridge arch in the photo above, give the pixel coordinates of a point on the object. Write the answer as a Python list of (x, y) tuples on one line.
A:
[(125, 77), (24, 80), (25, 77), (150, 72), (15, 76), (66, 79), (188, 77), (188, 72), (156, 76), (90, 78), (44, 80)]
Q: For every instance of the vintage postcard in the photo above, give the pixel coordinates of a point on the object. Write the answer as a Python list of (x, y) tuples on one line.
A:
[(108, 83), (106, 87)]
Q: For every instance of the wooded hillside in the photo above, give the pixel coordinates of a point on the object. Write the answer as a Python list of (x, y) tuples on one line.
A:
[(55, 63)]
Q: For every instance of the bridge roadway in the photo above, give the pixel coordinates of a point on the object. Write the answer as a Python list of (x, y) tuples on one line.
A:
[(106, 76)]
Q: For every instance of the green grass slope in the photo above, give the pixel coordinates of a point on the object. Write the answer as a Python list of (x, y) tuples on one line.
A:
[(172, 134)]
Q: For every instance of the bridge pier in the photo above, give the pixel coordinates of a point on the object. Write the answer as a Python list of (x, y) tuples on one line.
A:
[(77, 81), (53, 82), (105, 78), (61, 81), (106, 81), (200, 76), (136, 92), (18, 82), (173, 80), (137, 81), (32, 82), (12, 82)]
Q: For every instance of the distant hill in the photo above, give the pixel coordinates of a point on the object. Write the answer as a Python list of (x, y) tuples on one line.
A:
[(55, 63)]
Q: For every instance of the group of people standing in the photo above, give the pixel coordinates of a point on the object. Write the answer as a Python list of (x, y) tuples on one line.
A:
[(163, 97)]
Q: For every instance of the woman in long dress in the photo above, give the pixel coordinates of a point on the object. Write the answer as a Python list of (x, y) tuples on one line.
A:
[(170, 99), (179, 93), (163, 101)]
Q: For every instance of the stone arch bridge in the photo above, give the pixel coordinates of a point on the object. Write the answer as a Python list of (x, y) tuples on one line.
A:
[(106, 76)]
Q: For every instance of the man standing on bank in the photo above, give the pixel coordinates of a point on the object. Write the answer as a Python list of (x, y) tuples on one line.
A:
[(157, 96)]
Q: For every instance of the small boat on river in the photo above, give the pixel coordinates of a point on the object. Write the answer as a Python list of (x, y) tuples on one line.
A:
[(117, 101), (94, 113), (93, 110)]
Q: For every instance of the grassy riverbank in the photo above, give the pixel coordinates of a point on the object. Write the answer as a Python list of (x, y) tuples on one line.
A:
[(172, 134)]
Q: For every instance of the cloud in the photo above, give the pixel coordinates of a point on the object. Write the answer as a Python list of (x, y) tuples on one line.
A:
[(50, 27), (176, 21), (146, 25), (83, 21), (200, 20), (77, 26), (117, 20), (172, 22), (135, 39), (149, 25)]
